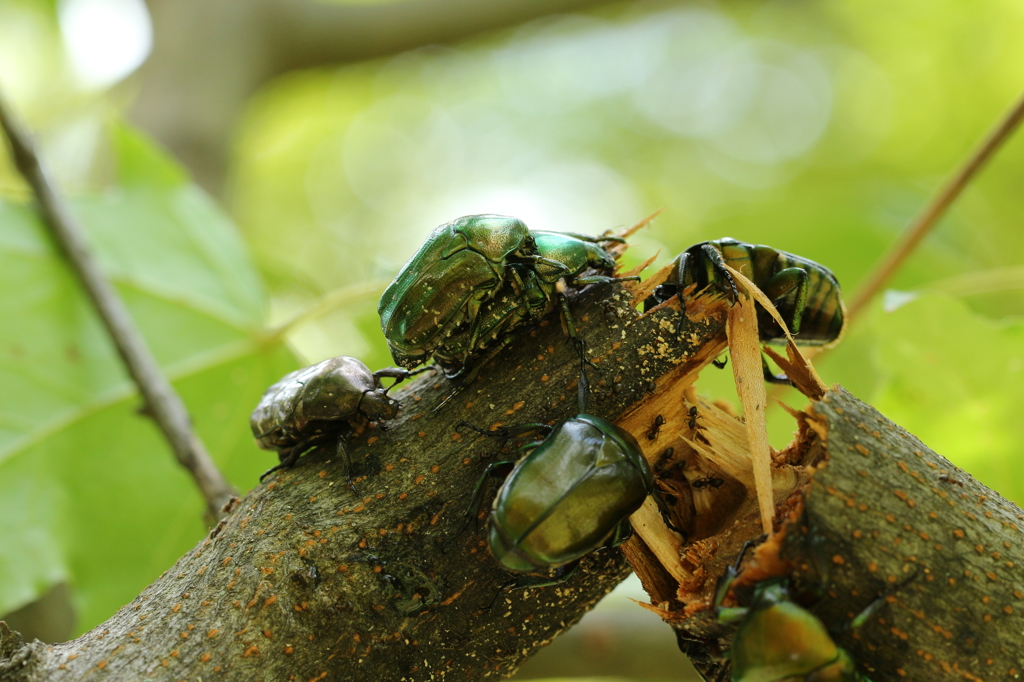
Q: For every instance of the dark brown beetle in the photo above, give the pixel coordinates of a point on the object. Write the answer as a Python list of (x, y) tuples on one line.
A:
[(322, 401)]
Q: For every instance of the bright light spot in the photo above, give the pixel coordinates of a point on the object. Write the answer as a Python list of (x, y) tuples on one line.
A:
[(893, 299), (571, 196), (105, 39)]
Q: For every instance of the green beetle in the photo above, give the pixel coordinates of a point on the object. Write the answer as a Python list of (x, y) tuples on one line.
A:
[(318, 402), (532, 290), (780, 641), (461, 265), (571, 493), (805, 293), (463, 292)]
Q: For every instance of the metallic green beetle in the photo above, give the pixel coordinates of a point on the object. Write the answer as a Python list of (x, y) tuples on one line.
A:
[(313, 404), (531, 291), (805, 293), (570, 494), (461, 265), (478, 278), (779, 641)]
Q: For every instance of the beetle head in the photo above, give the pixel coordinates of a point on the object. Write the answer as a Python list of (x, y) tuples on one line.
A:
[(376, 405)]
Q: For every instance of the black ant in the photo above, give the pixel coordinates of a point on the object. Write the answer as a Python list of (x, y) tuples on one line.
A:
[(693, 418), (674, 498), (692, 423), (707, 482), (656, 429), (665, 464)]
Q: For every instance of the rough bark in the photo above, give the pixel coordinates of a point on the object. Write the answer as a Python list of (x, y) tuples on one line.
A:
[(872, 513), (210, 56), (307, 580)]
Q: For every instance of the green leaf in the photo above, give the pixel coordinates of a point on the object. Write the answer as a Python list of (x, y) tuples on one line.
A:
[(89, 491), (140, 162), (953, 380)]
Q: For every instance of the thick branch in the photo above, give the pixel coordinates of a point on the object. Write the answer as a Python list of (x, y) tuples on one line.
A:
[(865, 511), (307, 578), (162, 403)]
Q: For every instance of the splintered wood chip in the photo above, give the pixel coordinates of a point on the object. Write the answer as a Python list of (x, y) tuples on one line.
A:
[(644, 222), (806, 378), (635, 287), (745, 349), (799, 371)]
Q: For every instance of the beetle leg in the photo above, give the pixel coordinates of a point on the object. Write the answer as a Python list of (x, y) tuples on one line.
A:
[(496, 433), (771, 377), (520, 429), (267, 433), (343, 453), (729, 615), (595, 240), (877, 603), (661, 292), (448, 398), (781, 284), (493, 470), (583, 393), (620, 534), (718, 263), (583, 386), (398, 374), (557, 577), (602, 279), (289, 458), (720, 364), (505, 433)]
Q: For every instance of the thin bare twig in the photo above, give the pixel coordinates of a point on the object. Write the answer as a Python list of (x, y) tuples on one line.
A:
[(937, 207), (162, 403)]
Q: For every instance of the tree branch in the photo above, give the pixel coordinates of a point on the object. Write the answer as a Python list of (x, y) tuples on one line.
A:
[(307, 578), (865, 511), (937, 207), (162, 403)]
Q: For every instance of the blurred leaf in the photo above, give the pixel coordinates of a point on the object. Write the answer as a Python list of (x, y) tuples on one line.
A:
[(361, 2), (89, 491), (954, 379), (140, 163), (808, 128)]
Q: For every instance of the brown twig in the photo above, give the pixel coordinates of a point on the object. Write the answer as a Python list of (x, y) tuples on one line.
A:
[(162, 403), (937, 207)]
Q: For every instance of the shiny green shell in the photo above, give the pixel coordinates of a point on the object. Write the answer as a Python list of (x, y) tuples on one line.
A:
[(460, 265), (573, 254), (568, 495), (473, 281), (780, 641)]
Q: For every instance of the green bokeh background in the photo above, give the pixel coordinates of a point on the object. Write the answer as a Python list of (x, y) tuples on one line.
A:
[(819, 128)]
